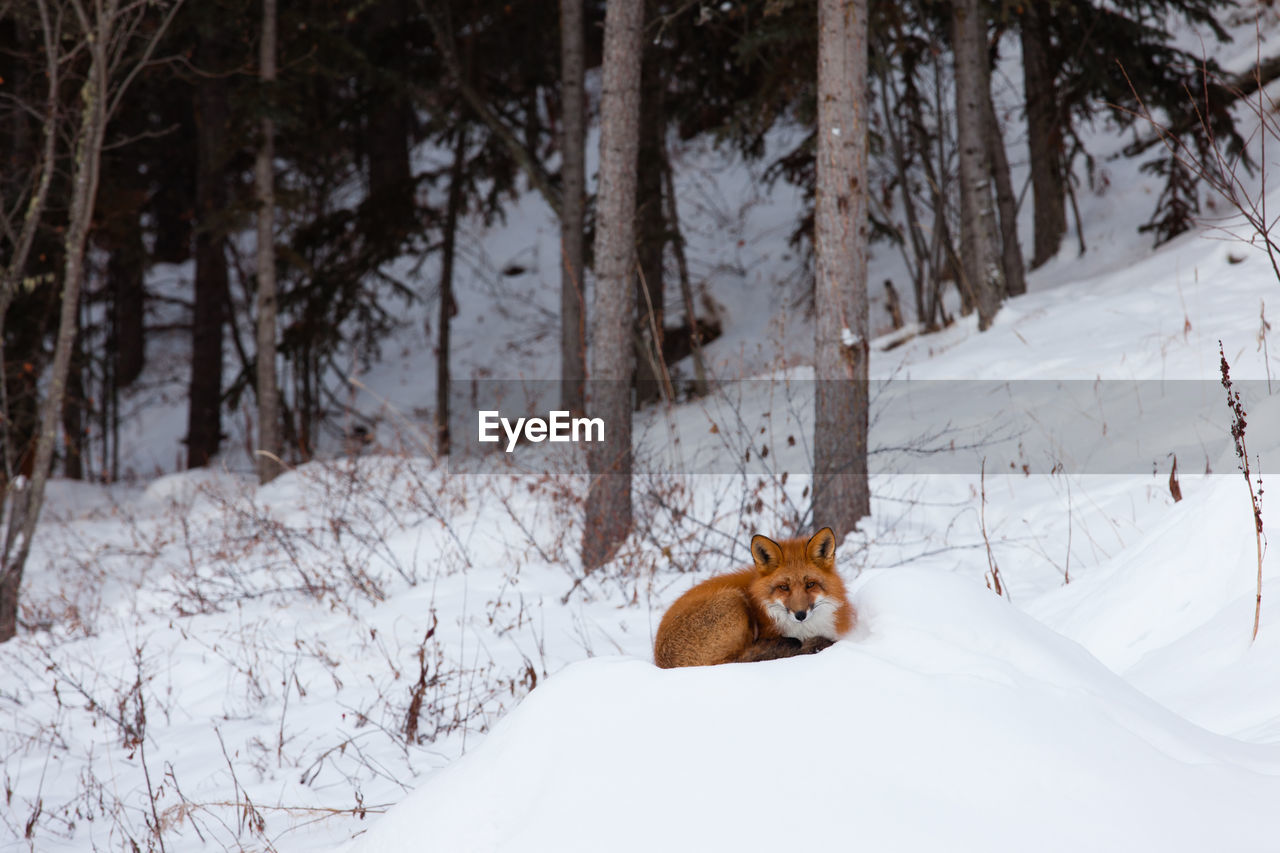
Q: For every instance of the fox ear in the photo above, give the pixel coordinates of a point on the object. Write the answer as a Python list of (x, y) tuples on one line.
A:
[(766, 553), (821, 549)]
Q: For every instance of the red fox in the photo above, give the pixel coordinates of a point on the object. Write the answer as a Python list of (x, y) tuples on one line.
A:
[(791, 603)]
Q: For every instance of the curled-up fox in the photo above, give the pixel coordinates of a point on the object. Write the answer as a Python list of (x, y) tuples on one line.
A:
[(792, 602)]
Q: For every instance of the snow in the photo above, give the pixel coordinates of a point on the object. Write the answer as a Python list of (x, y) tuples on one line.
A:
[(950, 721), (228, 666)]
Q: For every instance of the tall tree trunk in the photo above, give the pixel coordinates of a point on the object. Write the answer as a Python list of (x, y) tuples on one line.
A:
[(17, 410), (940, 252), (269, 444), (977, 208), (448, 306), (908, 105), (573, 346), (306, 400), (42, 177), (73, 413), (651, 231), (172, 228), (608, 505), (841, 493), (1015, 279), (126, 281), (27, 499), (204, 412), (686, 286), (1044, 137), (947, 253), (390, 123)]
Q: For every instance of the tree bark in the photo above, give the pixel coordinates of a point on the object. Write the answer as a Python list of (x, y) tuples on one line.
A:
[(977, 208), (204, 412), (389, 124), (1015, 279), (894, 107), (841, 493), (26, 501), (651, 233), (41, 180), (608, 504), (700, 385), (73, 413), (99, 25), (573, 346), (126, 280), (270, 445), (1044, 138), (18, 411), (448, 306)]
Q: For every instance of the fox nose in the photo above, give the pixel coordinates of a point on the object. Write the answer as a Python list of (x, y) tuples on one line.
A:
[(800, 615)]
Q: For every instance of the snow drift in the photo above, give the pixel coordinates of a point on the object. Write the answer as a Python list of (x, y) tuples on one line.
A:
[(924, 731)]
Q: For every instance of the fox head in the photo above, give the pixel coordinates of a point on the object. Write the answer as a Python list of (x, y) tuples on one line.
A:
[(798, 586)]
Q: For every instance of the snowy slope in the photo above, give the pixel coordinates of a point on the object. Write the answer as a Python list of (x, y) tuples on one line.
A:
[(950, 721)]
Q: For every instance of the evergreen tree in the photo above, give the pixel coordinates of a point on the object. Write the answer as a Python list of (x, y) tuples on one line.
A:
[(1083, 58)]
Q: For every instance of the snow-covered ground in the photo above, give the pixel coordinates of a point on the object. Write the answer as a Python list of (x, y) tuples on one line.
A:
[(948, 721), (388, 653)]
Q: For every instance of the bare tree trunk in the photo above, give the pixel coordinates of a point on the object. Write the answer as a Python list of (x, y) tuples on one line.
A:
[(941, 185), (305, 397), (73, 413), (11, 276), (608, 505), (126, 280), (573, 345), (651, 232), (448, 306), (43, 177), (27, 500), (269, 443), (686, 286), (977, 208), (390, 123), (940, 251), (893, 108), (841, 493), (101, 26), (1015, 279), (1044, 138), (204, 410)]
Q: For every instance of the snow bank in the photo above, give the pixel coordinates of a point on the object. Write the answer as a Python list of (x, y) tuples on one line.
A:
[(950, 721)]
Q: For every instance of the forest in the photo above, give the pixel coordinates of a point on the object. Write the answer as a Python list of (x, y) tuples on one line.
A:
[(221, 221), (271, 151)]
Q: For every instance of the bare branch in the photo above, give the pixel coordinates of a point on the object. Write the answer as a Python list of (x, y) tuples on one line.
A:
[(146, 55)]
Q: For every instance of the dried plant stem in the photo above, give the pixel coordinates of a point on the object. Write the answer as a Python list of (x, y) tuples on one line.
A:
[(1238, 424), (993, 576), (1257, 607)]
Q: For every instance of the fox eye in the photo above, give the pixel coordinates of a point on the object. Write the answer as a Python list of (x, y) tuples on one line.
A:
[(782, 587), (810, 584)]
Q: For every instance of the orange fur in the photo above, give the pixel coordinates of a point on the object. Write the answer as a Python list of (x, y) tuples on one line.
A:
[(761, 612)]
